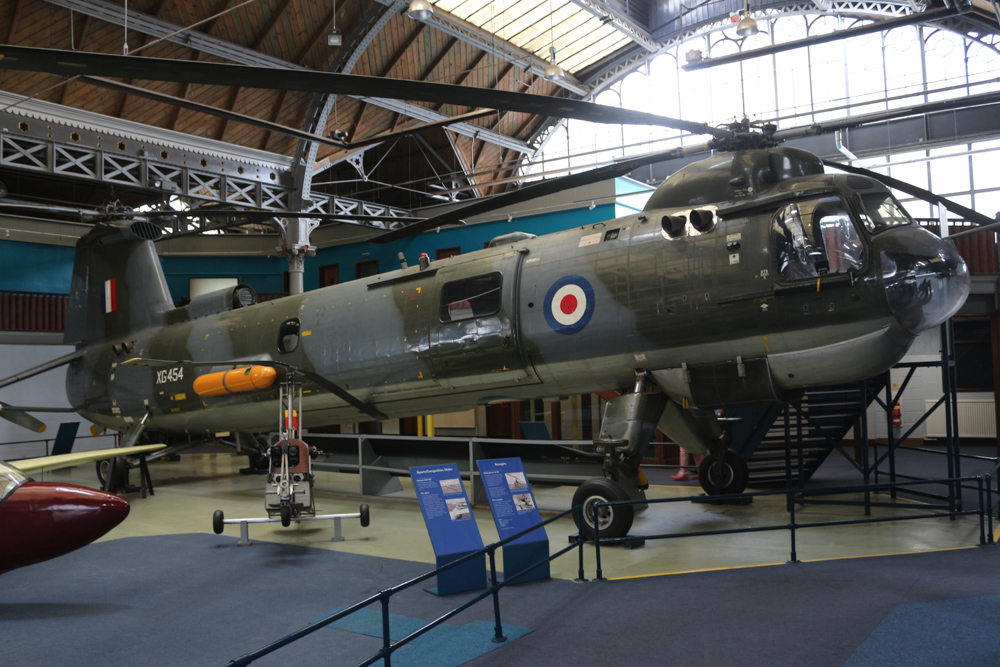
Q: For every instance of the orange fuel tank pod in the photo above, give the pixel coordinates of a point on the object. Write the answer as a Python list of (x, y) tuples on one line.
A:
[(248, 378)]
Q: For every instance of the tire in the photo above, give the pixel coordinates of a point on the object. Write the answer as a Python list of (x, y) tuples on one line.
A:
[(731, 478), (286, 515), (103, 470), (365, 516), (614, 521), (217, 520)]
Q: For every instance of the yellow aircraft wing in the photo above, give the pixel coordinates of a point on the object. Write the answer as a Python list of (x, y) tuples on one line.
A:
[(28, 466)]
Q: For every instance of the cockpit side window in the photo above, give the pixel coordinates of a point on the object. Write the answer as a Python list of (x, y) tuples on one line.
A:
[(815, 237), (10, 479), (880, 211), (467, 298)]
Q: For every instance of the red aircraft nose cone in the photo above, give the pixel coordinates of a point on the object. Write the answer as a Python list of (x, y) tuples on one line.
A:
[(43, 520)]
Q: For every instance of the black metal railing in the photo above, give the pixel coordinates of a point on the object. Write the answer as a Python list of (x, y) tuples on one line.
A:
[(383, 597), (798, 495)]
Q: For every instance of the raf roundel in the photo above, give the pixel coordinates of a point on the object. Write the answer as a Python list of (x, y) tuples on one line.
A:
[(569, 305)]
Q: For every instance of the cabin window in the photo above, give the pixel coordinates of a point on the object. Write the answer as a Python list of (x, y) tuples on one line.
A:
[(815, 237), (880, 211), (288, 336), (477, 296)]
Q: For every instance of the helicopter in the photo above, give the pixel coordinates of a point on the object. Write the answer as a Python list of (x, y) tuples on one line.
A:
[(748, 276)]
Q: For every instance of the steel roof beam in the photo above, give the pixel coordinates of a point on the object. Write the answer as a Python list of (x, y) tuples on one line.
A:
[(485, 41), (244, 56), (620, 21)]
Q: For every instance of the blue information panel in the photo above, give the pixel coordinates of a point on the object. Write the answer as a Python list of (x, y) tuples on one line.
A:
[(514, 510), (452, 529)]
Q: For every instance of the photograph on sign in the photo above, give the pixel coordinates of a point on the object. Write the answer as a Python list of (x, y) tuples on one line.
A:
[(523, 502), (516, 480), (449, 486), (458, 508)]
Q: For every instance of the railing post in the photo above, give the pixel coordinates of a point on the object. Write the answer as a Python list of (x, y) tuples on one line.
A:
[(597, 541), (791, 511), (498, 628), (982, 519), (989, 505), (386, 641), (579, 546)]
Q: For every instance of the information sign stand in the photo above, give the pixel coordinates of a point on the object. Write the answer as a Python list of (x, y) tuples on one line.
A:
[(514, 511), (451, 526)]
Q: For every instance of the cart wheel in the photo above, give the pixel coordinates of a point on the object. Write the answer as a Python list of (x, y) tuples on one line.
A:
[(217, 520), (286, 515), (365, 518)]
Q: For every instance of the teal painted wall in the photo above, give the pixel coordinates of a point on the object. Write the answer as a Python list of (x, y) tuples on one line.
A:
[(33, 267)]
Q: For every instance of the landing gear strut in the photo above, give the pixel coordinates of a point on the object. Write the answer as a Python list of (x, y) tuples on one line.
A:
[(627, 428)]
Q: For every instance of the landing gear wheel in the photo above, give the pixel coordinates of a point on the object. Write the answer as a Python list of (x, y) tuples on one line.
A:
[(286, 515), (730, 475), (365, 516), (612, 521), (103, 470), (217, 520)]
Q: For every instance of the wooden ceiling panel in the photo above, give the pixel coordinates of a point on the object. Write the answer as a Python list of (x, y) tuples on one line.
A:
[(294, 31)]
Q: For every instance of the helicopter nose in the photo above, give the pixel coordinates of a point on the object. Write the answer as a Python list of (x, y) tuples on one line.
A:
[(926, 280)]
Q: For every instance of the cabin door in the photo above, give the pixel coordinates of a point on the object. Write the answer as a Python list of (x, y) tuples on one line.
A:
[(473, 333)]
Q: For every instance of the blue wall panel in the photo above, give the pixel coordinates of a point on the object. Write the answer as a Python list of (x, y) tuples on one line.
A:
[(33, 267)]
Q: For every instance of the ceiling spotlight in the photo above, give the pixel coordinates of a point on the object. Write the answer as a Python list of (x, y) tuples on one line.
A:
[(554, 72), (747, 27), (334, 38), (420, 10)]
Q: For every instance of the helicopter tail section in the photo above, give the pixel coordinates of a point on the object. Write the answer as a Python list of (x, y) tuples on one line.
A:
[(118, 285)]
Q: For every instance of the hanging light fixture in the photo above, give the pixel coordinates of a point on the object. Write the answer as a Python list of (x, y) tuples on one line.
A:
[(420, 10), (554, 72), (334, 38), (747, 27)]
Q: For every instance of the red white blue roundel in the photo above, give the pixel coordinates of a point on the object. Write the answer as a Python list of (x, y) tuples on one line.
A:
[(569, 305)]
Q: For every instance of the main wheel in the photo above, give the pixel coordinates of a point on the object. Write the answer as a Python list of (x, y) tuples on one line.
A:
[(217, 520), (728, 476), (365, 516), (612, 521), (286, 515)]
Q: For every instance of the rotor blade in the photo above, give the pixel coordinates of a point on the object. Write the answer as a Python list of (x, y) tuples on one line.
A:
[(21, 418), (882, 116), (318, 379), (444, 122), (536, 190), (920, 193), (210, 110), (264, 216), (80, 63)]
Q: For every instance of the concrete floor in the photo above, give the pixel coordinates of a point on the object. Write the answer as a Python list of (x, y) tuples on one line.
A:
[(187, 492)]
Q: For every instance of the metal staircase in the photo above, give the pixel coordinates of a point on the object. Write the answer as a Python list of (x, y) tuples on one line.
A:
[(778, 440)]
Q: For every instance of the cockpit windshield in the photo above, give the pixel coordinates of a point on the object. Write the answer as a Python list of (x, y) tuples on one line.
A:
[(880, 211), (10, 479)]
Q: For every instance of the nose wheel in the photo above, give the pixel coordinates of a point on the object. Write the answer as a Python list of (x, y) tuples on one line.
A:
[(612, 521)]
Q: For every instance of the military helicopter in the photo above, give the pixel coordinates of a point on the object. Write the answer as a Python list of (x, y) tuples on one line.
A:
[(748, 277)]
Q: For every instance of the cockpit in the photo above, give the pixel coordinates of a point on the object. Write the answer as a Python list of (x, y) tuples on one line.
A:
[(10, 479)]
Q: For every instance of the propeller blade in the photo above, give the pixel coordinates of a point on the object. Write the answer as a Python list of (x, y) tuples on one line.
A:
[(316, 378), (21, 418), (533, 191), (80, 63), (926, 195)]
